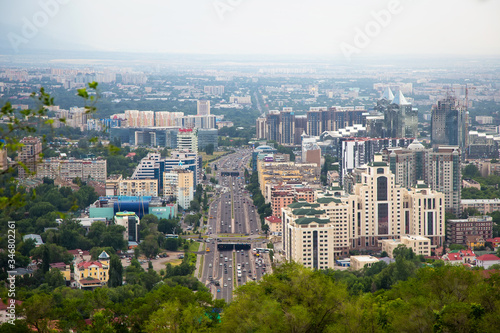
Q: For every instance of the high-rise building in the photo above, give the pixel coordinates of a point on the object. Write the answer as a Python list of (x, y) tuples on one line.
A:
[(153, 166), (311, 232), (198, 121), (377, 210), (178, 183), (439, 168), (207, 136), (136, 118), (320, 119), (400, 119), (187, 139), (445, 175), (273, 126), (449, 124), (354, 152), (203, 107), (167, 119), (29, 155), (287, 127), (261, 127), (314, 124)]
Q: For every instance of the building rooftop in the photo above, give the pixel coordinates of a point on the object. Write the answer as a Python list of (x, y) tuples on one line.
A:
[(328, 200), (387, 95), (273, 219), (307, 220), (37, 238), (488, 257), (305, 211), (400, 99)]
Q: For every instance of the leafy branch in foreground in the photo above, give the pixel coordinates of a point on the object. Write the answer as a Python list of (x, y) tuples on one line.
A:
[(20, 123)]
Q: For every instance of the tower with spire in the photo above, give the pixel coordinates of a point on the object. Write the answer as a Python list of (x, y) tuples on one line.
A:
[(400, 118)]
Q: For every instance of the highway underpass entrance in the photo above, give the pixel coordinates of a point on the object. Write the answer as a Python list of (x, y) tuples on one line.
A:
[(233, 246), (229, 173)]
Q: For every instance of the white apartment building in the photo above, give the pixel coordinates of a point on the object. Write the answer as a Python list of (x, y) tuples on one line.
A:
[(187, 139), (71, 169), (203, 107), (178, 183), (167, 119), (136, 118), (240, 99), (138, 187), (213, 90)]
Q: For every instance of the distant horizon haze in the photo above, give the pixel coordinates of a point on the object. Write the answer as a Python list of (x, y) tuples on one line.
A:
[(337, 29)]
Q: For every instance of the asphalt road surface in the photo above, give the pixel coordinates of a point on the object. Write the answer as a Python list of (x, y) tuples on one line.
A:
[(232, 218)]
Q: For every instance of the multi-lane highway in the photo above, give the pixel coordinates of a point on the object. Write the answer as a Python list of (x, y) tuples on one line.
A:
[(233, 231)]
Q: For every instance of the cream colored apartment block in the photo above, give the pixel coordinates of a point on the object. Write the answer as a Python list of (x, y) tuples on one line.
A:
[(419, 244), (286, 172), (359, 262), (379, 203), (424, 214), (139, 187), (315, 233), (71, 169), (178, 183)]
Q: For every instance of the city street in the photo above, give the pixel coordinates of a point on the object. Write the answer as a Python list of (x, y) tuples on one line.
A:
[(233, 229)]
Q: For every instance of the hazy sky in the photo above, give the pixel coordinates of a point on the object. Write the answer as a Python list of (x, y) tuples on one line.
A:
[(322, 27)]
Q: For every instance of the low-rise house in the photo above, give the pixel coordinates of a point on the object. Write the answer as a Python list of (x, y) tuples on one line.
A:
[(92, 274), (358, 262), (459, 257), (64, 269), (494, 241), (275, 224), (5, 310), (475, 241), (487, 260)]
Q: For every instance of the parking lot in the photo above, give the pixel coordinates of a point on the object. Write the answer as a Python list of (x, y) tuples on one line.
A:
[(158, 264)]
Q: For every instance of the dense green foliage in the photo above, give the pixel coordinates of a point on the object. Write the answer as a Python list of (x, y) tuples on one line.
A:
[(253, 187), (292, 299)]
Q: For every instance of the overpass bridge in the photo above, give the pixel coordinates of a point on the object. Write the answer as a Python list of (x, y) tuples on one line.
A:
[(229, 173), (229, 246)]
